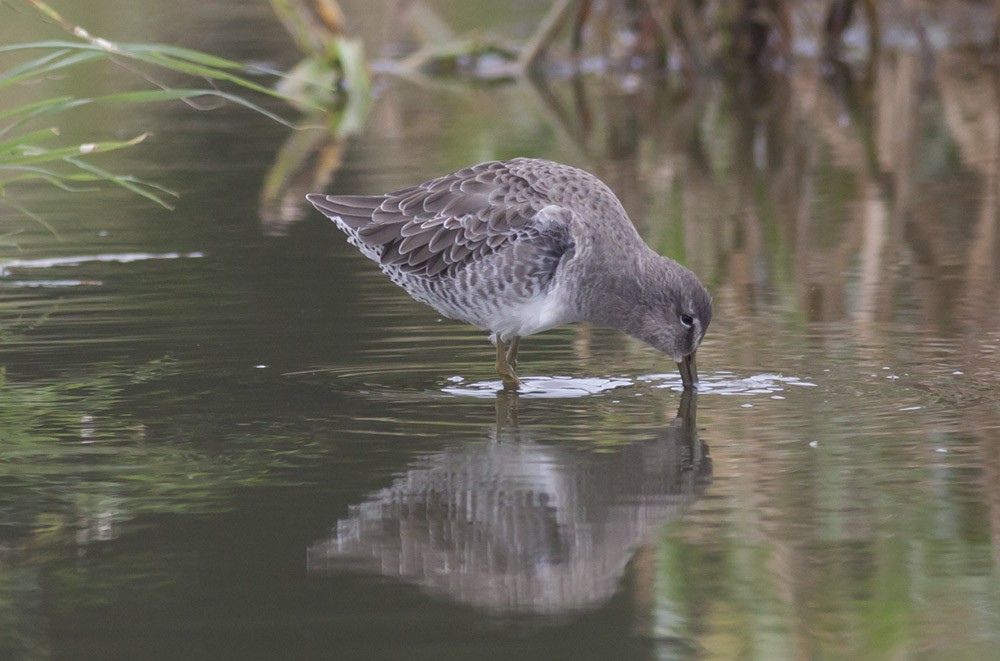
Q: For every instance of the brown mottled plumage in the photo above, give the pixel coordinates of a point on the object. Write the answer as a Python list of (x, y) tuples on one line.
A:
[(517, 247)]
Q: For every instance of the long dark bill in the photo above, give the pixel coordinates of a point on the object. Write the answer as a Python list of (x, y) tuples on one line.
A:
[(689, 371)]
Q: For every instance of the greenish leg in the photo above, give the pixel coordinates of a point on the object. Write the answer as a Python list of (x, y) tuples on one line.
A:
[(512, 348), (505, 366)]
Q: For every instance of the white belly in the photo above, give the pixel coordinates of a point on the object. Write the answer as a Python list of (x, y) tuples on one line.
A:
[(529, 317)]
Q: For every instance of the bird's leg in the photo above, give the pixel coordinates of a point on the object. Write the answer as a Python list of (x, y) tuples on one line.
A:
[(504, 368), (512, 348)]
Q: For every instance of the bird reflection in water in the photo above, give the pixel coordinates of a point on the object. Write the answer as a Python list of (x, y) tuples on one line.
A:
[(516, 526)]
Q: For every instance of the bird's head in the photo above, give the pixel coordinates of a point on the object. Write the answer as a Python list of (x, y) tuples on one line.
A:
[(671, 311)]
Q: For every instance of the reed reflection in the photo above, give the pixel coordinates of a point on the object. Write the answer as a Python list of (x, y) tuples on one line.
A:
[(519, 524)]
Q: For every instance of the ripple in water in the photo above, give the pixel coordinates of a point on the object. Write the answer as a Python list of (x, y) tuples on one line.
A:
[(540, 386), (729, 383), (54, 262), (716, 383)]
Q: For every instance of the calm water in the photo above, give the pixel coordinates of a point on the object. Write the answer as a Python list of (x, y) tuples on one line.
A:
[(223, 434)]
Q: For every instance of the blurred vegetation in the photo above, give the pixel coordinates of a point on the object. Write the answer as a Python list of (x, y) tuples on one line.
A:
[(333, 85), (30, 147), (691, 37)]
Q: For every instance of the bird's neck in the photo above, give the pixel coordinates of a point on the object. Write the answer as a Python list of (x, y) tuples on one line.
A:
[(611, 293)]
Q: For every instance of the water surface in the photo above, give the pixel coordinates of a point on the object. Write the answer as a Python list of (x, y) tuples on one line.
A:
[(223, 434)]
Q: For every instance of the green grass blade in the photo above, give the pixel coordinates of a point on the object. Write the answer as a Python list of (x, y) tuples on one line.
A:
[(182, 60), (8, 244), (64, 181), (54, 179), (30, 214), (29, 108), (34, 171), (178, 94), (8, 148), (194, 69), (129, 183), (45, 65), (35, 110), (39, 155), (24, 159), (32, 64), (50, 44), (180, 53), (188, 54)]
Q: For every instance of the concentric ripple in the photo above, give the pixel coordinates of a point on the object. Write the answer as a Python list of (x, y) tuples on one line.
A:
[(725, 382), (554, 387)]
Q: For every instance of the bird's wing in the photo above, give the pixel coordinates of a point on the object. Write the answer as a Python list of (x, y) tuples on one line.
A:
[(442, 224)]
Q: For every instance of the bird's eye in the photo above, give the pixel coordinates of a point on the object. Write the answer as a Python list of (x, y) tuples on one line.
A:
[(687, 320)]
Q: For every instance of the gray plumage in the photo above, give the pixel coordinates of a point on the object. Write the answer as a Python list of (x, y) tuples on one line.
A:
[(517, 247)]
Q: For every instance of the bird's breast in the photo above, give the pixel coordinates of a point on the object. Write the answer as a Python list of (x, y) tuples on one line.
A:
[(529, 316)]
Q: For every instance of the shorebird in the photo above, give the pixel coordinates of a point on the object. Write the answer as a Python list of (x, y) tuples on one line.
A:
[(521, 246)]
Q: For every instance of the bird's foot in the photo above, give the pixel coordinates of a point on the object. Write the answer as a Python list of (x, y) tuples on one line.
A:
[(510, 380), (506, 362)]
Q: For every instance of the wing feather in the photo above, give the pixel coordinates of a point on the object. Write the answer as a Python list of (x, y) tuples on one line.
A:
[(439, 226)]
